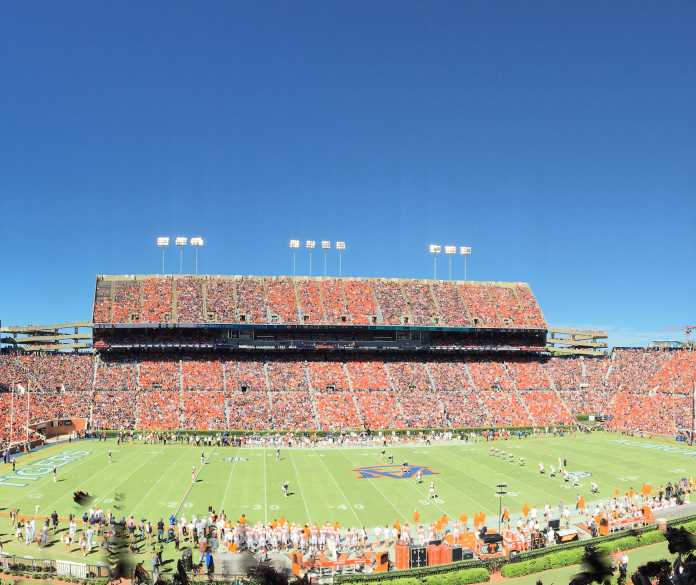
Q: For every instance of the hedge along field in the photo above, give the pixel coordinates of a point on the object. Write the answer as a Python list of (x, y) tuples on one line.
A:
[(561, 576)]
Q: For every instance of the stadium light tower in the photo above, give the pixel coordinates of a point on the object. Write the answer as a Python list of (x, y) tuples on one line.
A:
[(341, 247), (181, 243), (197, 242), (294, 245), (449, 252), (466, 252), (162, 244), (310, 245), (325, 247), (435, 249)]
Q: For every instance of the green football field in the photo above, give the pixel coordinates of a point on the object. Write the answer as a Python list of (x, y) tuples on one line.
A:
[(152, 481)]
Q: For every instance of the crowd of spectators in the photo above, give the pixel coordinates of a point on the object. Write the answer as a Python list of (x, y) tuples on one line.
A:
[(420, 411), (464, 409), (677, 373), (546, 407), (327, 375), (249, 410), (360, 301), (203, 411), (505, 408), (336, 411), (113, 410), (379, 410), (335, 309), (281, 300), (245, 375), (202, 374), (220, 300), (528, 374), (411, 376), (448, 375), (292, 410), (250, 299), (116, 375), (310, 304), (125, 307), (159, 374), (632, 369), (158, 410), (189, 300), (392, 301), (286, 375), (62, 372), (639, 390), (479, 304), (450, 309), (368, 375), (157, 300), (489, 374), (639, 411)]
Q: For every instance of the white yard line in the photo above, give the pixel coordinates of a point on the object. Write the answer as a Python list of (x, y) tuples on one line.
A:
[(299, 487), (154, 485), (374, 485), (340, 490), (137, 469), (229, 481), (265, 489)]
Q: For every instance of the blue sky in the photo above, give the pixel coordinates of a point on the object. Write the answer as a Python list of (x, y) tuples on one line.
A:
[(557, 139)]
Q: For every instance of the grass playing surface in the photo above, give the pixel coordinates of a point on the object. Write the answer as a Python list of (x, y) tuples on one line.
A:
[(154, 481)]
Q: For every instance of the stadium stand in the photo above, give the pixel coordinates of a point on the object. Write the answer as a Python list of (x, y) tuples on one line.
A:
[(209, 392), (158, 410), (113, 410), (368, 375), (249, 410), (203, 411), (346, 301), (202, 374), (162, 365), (337, 411)]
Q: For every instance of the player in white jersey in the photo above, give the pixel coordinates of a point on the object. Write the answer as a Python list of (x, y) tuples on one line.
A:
[(541, 468), (286, 488)]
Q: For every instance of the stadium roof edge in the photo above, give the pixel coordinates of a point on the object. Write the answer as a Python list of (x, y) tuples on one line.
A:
[(136, 277)]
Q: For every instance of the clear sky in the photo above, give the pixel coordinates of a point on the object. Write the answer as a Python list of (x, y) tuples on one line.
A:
[(558, 139)]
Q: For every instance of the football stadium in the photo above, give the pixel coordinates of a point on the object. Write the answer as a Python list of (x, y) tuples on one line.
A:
[(338, 427)]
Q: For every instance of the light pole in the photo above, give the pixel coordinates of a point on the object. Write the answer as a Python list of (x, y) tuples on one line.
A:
[(294, 245), (449, 252), (500, 493), (162, 244), (310, 245), (341, 247), (196, 242), (465, 251), (181, 242), (435, 249), (325, 247)]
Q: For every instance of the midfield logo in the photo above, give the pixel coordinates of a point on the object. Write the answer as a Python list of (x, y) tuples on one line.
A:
[(392, 471)]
